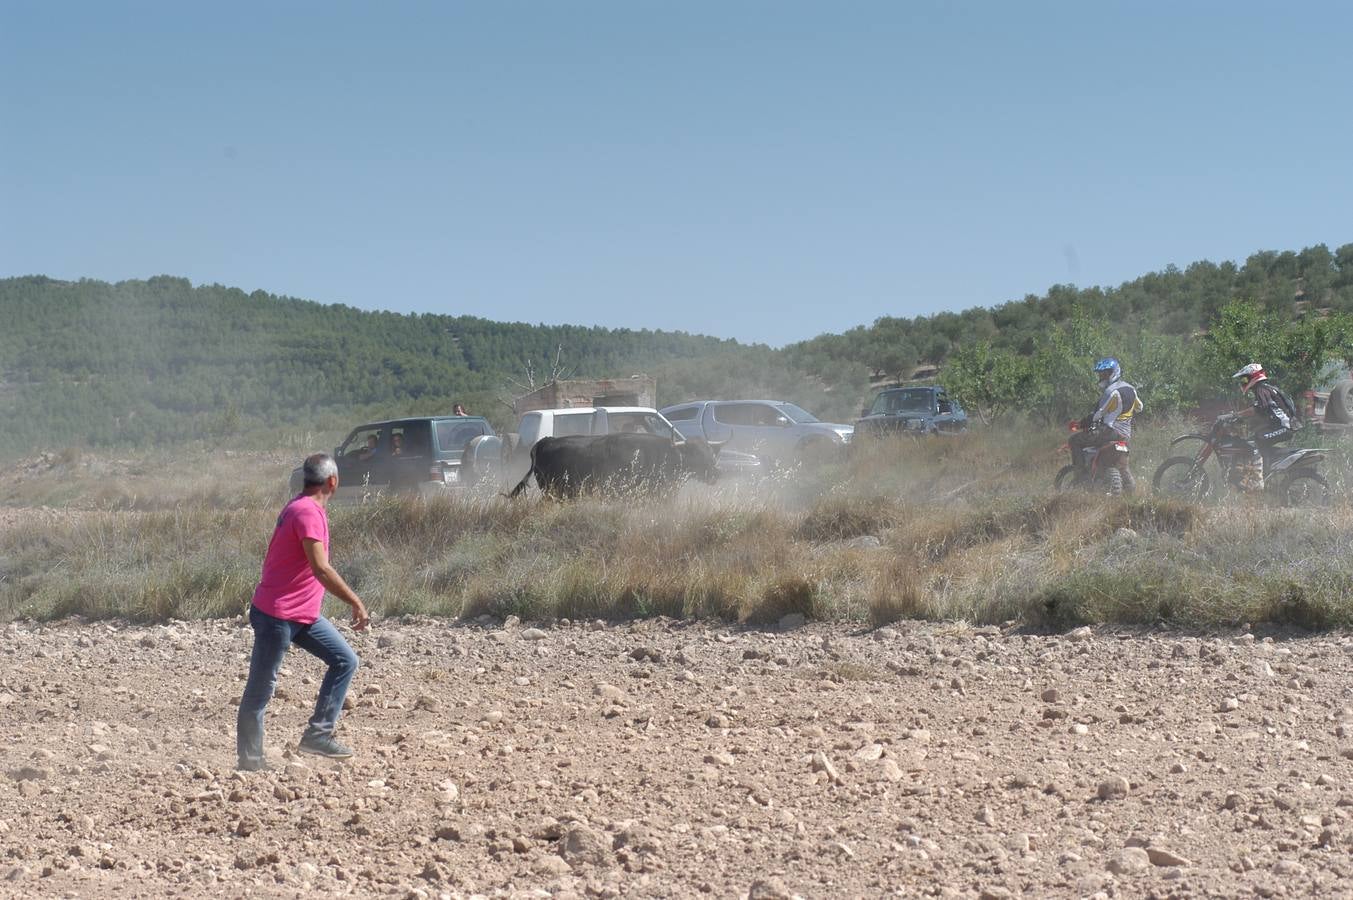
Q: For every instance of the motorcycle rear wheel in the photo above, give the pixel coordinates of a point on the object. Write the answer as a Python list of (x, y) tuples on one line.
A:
[(1305, 490), (1176, 477)]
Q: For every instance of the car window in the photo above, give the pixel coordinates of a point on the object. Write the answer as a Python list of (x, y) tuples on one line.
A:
[(572, 423), (767, 416), (411, 439), (453, 435), (902, 401), (683, 414), (657, 424), (736, 413), (639, 423), (798, 414), (358, 444), (529, 429)]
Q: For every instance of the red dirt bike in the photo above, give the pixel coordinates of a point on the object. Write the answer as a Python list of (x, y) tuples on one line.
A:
[(1103, 468), (1290, 477)]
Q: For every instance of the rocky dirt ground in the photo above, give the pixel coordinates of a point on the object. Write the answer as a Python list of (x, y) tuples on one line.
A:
[(674, 759)]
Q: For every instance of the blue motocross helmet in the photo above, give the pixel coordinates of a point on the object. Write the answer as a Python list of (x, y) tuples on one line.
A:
[(1109, 370)]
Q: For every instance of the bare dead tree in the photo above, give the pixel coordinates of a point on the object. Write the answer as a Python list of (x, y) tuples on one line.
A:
[(558, 372)]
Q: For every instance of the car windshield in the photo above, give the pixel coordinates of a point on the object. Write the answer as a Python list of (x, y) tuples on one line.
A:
[(903, 401), (797, 414)]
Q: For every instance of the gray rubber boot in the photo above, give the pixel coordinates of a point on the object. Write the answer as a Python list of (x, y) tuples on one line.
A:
[(1115, 479), (1129, 482)]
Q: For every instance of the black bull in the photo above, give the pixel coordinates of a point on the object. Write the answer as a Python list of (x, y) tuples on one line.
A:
[(567, 466)]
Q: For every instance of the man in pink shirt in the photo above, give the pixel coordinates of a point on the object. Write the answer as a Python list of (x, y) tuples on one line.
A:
[(286, 611)]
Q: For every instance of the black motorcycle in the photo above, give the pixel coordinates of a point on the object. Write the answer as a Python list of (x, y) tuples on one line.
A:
[(1292, 479)]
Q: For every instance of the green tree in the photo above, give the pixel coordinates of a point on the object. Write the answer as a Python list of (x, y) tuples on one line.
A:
[(1293, 352), (992, 383), (1063, 369)]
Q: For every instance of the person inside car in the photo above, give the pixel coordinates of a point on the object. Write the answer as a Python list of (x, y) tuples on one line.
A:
[(396, 444), (369, 450)]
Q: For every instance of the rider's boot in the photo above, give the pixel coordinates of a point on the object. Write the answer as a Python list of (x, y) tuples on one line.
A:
[(1115, 478)]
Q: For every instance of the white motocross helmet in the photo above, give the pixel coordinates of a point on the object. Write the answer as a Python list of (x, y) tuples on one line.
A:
[(1250, 376)]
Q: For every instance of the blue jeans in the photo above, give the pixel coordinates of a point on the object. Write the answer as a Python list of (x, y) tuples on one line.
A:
[(272, 637)]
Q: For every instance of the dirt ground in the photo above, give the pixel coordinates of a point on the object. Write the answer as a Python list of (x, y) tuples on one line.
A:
[(672, 759)]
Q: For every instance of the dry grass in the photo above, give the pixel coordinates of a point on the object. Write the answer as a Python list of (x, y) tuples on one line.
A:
[(945, 529), (194, 476)]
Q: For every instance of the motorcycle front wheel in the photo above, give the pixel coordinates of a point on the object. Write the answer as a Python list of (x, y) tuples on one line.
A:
[(1068, 479), (1180, 478), (1305, 490)]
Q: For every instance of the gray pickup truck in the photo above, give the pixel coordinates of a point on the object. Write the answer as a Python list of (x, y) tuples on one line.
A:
[(779, 433)]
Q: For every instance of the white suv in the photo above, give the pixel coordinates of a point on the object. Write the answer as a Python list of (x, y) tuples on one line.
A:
[(543, 423)]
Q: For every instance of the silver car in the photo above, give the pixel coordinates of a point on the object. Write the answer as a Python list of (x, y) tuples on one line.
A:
[(778, 432)]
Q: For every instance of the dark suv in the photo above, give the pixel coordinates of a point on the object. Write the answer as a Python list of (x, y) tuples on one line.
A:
[(420, 455), (919, 409)]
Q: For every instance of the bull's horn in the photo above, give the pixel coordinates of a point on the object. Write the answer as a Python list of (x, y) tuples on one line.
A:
[(716, 445)]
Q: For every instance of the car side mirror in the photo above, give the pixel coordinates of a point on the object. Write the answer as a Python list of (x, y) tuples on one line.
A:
[(864, 411), (782, 421)]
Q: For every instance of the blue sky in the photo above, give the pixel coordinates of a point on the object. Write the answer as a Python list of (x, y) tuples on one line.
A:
[(760, 170)]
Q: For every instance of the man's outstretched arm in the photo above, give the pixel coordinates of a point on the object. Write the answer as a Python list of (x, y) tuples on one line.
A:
[(328, 576)]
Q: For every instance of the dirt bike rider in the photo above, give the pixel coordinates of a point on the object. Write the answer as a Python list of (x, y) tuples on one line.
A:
[(1275, 414), (1111, 420)]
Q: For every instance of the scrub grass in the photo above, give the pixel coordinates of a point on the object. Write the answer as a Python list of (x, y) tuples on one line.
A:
[(963, 529)]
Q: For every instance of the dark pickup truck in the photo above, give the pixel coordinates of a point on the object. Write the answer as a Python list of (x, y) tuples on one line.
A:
[(423, 455), (919, 409)]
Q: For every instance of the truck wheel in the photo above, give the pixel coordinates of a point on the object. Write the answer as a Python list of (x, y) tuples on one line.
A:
[(481, 459), (1339, 408)]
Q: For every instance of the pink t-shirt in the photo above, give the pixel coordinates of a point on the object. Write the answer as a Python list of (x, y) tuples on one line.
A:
[(288, 589)]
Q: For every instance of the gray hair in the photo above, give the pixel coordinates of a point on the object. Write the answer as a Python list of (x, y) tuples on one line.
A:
[(319, 468)]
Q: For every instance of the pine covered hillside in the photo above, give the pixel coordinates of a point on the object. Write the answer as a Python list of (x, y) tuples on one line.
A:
[(137, 363), (140, 362), (1174, 303)]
